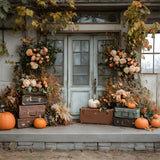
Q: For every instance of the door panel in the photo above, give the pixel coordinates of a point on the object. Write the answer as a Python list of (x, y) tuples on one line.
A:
[(80, 70), (101, 71)]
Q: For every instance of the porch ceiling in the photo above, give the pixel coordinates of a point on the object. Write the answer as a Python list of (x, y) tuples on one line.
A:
[(80, 133)]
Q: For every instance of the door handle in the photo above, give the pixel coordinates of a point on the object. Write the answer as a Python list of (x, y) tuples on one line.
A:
[(95, 85)]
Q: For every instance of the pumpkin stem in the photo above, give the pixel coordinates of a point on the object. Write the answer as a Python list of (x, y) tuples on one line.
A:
[(3, 110), (40, 116)]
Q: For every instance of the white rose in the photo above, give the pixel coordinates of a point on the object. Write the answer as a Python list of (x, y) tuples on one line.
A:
[(34, 65), (126, 70), (26, 82), (132, 68), (137, 69), (122, 61), (124, 55), (29, 52), (33, 82), (113, 53), (116, 58)]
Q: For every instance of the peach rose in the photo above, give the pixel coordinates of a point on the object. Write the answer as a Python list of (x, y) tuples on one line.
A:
[(23, 86), (40, 62), (45, 49), (42, 52), (33, 58), (38, 55), (37, 58)]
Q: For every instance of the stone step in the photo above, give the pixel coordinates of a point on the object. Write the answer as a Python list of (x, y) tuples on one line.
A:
[(82, 136)]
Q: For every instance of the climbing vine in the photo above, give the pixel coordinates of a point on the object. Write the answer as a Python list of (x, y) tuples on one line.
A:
[(136, 16)]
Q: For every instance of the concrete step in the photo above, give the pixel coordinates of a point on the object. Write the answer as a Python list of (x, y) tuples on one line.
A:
[(84, 136), (81, 133)]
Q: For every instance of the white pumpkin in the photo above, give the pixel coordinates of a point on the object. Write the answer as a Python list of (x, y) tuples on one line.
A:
[(93, 103)]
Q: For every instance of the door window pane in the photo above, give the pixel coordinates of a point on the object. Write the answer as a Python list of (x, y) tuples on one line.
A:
[(59, 45), (84, 59), (147, 63), (77, 58), (80, 74), (157, 43), (59, 63), (80, 80), (80, 70), (157, 63), (59, 59), (85, 46), (103, 71), (76, 46)]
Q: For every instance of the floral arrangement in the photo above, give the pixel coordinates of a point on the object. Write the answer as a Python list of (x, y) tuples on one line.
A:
[(35, 85), (38, 57), (58, 114), (34, 58), (121, 92), (124, 62)]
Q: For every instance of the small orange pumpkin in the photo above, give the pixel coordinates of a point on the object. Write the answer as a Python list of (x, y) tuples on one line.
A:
[(40, 123), (154, 109), (155, 122), (7, 121), (156, 116), (141, 123), (131, 105)]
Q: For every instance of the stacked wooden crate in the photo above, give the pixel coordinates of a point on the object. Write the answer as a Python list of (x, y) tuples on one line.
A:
[(33, 106)]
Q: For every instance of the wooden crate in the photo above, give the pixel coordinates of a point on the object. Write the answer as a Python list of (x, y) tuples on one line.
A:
[(25, 123), (126, 122), (33, 99), (31, 111), (89, 115), (126, 112)]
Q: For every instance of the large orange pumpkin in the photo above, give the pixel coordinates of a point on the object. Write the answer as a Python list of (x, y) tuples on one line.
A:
[(141, 123), (40, 123), (155, 122), (7, 121), (131, 105)]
